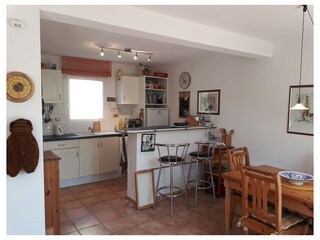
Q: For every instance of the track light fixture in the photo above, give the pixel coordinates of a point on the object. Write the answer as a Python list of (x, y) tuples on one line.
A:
[(102, 52), (125, 50)]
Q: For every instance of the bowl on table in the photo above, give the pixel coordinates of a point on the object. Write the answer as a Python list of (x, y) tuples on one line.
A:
[(296, 178)]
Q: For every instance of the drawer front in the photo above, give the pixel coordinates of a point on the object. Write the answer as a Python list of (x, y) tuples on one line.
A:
[(60, 144)]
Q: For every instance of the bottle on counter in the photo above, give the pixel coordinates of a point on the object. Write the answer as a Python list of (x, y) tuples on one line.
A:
[(141, 114), (120, 124), (126, 123)]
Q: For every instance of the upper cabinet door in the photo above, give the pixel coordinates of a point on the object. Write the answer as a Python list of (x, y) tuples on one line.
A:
[(52, 85), (127, 90)]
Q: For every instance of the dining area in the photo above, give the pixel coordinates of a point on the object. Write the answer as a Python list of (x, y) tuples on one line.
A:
[(270, 200)]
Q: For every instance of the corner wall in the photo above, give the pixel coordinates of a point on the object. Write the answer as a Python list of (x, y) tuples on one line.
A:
[(25, 192)]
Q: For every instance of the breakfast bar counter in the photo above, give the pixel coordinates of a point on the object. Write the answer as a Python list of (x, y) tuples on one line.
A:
[(143, 158)]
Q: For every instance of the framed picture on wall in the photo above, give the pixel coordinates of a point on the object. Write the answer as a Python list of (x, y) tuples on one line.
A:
[(184, 103), (209, 102), (147, 142), (301, 121)]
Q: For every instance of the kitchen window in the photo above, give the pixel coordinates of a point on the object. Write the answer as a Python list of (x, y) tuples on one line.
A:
[(85, 99)]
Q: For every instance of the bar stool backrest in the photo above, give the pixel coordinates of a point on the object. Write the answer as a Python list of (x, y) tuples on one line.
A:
[(172, 153), (206, 149)]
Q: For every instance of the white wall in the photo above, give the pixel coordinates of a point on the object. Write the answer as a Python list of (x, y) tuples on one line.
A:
[(25, 192), (254, 100)]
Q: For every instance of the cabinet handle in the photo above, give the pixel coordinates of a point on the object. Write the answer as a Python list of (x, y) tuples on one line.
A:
[(124, 98), (61, 145), (47, 192), (98, 144), (59, 96), (101, 144), (77, 154)]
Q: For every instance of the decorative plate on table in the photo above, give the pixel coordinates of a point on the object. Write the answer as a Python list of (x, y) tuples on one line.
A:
[(296, 178)]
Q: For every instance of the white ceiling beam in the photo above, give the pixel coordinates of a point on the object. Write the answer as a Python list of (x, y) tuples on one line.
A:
[(142, 23)]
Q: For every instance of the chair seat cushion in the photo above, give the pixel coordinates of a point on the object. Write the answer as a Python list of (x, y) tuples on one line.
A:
[(288, 220), (171, 159), (200, 154)]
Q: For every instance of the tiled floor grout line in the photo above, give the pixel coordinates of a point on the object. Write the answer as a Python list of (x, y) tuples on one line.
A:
[(85, 206)]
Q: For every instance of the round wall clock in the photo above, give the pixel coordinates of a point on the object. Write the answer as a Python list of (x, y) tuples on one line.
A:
[(20, 87), (184, 80)]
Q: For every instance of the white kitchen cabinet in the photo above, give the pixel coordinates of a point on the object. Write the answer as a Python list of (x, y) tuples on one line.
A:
[(153, 94), (69, 163), (68, 151), (157, 117), (52, 85), (109, 154), (89, 156), (127, 90), (99, 155)]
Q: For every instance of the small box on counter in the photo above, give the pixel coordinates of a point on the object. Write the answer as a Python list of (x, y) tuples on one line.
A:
[(96, 126)]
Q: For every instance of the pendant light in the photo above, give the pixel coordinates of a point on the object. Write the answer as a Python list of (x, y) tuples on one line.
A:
[(299, 105)]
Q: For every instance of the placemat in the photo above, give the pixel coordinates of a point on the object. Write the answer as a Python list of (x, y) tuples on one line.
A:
[(305, 186)]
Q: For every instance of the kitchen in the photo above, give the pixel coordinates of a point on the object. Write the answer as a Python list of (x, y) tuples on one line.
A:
[(267, 76)]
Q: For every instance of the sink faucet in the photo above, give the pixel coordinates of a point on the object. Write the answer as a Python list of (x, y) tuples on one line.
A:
[(91, 129)]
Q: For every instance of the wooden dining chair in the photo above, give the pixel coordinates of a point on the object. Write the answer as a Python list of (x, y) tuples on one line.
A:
[(263, 214), (237, 157)]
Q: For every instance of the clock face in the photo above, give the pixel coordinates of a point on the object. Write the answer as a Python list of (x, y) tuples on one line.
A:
[(184, 80), (19, 87)]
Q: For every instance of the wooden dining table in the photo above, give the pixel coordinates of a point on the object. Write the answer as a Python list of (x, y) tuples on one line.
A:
[(292, 198)]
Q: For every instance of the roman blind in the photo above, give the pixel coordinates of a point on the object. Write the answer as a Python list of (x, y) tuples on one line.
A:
[(85, 67)]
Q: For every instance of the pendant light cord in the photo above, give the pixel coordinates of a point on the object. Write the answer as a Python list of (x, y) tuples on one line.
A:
[(304, 10)]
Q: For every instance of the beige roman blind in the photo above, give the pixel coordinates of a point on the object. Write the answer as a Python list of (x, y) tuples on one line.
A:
[(85, 67)]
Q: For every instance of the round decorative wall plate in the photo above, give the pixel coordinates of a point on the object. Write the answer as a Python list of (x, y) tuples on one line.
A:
[(20, 87)]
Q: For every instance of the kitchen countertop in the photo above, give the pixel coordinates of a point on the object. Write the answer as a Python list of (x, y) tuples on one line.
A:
[(74, 136), (163, 128)]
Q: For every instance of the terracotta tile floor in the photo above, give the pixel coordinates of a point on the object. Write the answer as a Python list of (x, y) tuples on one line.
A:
[(101, 208)]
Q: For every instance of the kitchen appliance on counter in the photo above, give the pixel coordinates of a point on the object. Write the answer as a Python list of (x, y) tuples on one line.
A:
[(134, 123), (157, 117), (58, 130)]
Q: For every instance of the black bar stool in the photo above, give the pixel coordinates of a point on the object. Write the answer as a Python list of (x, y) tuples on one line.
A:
[(204, 154), (171, 155)]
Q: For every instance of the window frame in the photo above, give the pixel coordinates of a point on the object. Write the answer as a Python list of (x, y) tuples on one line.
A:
[(67, 106)]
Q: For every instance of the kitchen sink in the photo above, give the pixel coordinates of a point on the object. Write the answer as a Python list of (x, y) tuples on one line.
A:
[(94, 133), (85, 134)]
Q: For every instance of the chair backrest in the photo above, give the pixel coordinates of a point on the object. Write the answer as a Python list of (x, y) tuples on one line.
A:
[(258, 184), (237, 157), (226, 138), (173, 152)]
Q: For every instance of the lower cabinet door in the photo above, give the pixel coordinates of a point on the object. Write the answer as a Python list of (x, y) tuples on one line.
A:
[(69, 163), (89, 156), (109, 154)]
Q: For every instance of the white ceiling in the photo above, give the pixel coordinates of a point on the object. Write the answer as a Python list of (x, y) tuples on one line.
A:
[(268, 23)]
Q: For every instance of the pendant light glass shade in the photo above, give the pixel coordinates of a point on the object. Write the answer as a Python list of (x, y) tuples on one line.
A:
[(299, 106)]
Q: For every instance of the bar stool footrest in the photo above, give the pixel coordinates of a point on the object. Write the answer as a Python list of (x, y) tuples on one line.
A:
[(202, 181), (178, 189)]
